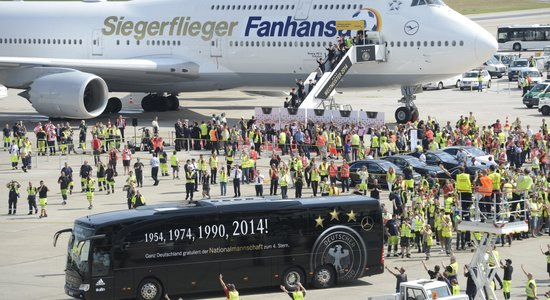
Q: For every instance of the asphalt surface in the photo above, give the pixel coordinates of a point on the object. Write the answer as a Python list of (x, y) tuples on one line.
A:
[(31, 268)]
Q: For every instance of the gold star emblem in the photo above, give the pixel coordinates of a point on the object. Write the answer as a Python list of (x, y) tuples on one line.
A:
[(351, 216), (319, 221), (334, 215)]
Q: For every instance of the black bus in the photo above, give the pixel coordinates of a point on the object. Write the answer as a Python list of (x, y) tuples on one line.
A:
[(153, 250)]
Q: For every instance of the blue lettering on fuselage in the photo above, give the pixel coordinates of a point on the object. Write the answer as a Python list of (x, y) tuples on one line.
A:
[(289, 28)]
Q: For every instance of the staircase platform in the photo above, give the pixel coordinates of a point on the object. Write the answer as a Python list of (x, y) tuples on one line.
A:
[(498, 227)]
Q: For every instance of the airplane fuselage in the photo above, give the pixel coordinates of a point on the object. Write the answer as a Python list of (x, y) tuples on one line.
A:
[(242, 43)]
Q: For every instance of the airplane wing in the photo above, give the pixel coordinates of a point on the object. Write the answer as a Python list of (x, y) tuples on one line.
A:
[(173, 66)]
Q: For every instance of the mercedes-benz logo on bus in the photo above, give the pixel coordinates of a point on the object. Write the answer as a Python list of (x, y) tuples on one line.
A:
[(367, 223), (365, 55), (343, 248)]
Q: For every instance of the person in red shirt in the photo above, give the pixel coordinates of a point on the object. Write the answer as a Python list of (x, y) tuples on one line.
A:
[(96, 148), (344, 176), (332, 172)]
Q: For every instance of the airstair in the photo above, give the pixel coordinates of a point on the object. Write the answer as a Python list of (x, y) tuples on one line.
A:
[(490, 220), (322, 94)]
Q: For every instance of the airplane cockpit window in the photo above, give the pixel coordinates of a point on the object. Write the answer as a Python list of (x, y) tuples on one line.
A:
[(434, 2)]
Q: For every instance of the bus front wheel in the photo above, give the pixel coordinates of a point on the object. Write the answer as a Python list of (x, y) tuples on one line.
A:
[(324, 277), (150, 289), (292, 276)]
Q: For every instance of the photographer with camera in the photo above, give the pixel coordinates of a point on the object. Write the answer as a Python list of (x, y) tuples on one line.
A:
[(13, 195)]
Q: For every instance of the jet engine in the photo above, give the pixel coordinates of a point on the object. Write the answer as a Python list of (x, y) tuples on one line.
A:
[(74, 95)]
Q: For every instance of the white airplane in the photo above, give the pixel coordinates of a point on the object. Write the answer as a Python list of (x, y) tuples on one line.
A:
[(68, 56)]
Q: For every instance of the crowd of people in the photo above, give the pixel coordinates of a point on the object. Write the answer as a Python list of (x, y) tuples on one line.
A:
[(315, 159)]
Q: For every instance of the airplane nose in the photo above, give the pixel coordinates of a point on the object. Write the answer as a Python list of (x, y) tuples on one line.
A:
[(485, 45)]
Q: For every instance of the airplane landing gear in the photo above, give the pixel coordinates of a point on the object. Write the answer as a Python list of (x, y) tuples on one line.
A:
[(159, 102), (408, 112)]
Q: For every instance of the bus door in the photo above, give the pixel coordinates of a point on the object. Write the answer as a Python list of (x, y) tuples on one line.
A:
[(100, 261)]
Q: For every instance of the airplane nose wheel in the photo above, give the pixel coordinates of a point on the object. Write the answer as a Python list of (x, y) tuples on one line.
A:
[(403, 115)]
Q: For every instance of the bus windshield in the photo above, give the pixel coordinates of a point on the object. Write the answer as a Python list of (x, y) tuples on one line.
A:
[(79, 249), (519, 63)]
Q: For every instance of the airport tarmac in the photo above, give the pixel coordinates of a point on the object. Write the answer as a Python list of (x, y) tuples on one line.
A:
[(32, 268)]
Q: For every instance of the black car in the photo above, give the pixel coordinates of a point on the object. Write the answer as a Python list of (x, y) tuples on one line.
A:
[(418, 166), (377, 168), (449, 162)]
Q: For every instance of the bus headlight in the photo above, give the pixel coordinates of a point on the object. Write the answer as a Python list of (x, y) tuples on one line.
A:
[(84, 287)]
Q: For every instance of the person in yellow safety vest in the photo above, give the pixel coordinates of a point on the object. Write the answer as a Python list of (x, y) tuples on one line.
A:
[(229, 289), (282, 142), (324, 187), (455, 287), (315, 179), (229, 157), (496, 181), (138, 200), (363, 177), (405, 238), (204, 133), (201, 167), (175, 164), (449, 202), (355, 141), (530, 286), (391, 176), (323, 169), (31, 198), (333, 190), (446, 232), (452, 269), (213, 163), (223, 182), (90, 187), (463, 186), (427, 239), (384, 147), (535, 208), (375, 145), (299, 292)]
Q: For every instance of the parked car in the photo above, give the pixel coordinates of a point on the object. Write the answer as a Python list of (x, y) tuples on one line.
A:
[(536, 76), (495, 67), (540, 90), (418, 166), (445, 83), (377, 168), (469, 80), (471, 151), (449, 162), (515, 66)]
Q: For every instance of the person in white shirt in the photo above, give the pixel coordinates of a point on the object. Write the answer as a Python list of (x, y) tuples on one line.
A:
[(259, 184), (236, 174), (155, 125), (155, 163)]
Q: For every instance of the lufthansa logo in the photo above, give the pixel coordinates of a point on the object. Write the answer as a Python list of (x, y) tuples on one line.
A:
[(367, 223), (343, 248), (411, 27)]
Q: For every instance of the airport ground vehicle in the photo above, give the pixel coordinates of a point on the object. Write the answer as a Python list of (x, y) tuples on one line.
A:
[(523, 37), (377, 169), (540, 90), (418, 166), (505, 58), (495, 67), (515, 67), (422, 289), (444, 83), (536, 76), (544, 105), (179, 249), (469, 80)]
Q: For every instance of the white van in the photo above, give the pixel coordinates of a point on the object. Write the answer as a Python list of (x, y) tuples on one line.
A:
[(495, 67)]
